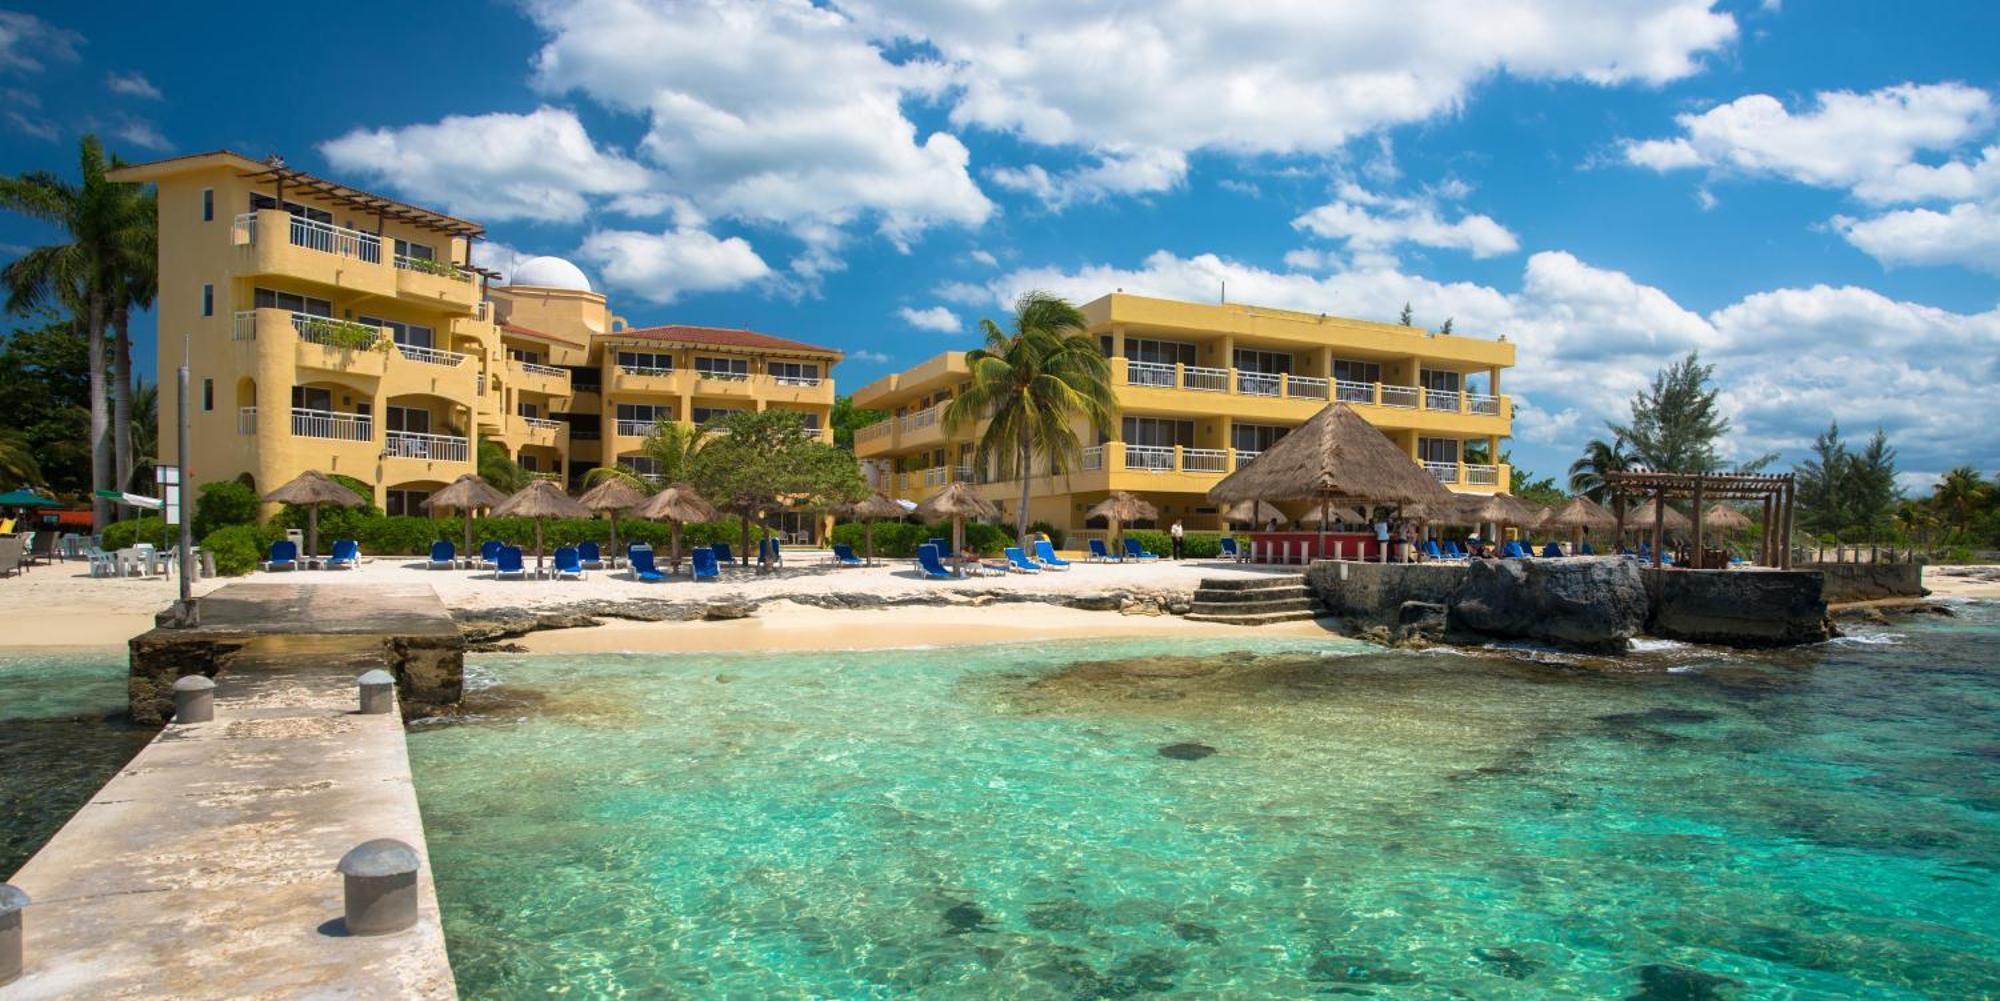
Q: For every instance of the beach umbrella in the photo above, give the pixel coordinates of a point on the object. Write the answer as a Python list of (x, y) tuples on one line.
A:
[(1499, 509), (1725, 519), (1118, 509), (1580, 515), (310, 489), (27, 498), (613, 495), (868, 509), (957, 502), (465, 494), (1253, 513), (1336, 457), (1642, 518), (676, 504), (541, 500)]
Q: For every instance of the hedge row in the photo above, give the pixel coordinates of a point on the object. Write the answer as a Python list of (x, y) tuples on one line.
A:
[(1194, 545), (901, 539)]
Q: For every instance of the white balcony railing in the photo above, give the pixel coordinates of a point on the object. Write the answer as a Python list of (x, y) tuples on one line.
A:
[(1092, 459), (1481, 475), (246, 420), (961, 474), (921, 419), (702, 373), (1399, 396), (1481, 403), (1446, 472), (413, 445), (1347, 391), (245, 328), (431, 356), (549, 370), (1207, 380), (795, 380), (431, 267), (646, 370), (332, 424), (1305, 387), (1150, 458), (1256, 383), (636, 429), (1204, 460), (1149, 373), (1243, 457), (323, 330), (937, 476), (337, 240), (870, 432), (541, 423), (1441, 399)]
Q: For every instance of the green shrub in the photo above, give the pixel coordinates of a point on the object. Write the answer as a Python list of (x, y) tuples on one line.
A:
[(221, 504), (152, 528), (385, 535), (901, 539), (1194, 545), (238, 549), (1055, 534)]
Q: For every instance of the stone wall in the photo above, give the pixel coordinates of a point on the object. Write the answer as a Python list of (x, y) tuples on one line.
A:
[(1590, 603), (1750, 608), (1870, 581), (1374, 592)]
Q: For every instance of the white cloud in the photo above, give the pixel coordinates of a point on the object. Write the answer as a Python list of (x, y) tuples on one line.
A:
[(661, 267), (872, 357), (936, 318), (984, 257), (1369, 222), (33, 125), (1966, 234), (141, 133), (1116, 172), (27, 40), (133, 84), (1866, 143)]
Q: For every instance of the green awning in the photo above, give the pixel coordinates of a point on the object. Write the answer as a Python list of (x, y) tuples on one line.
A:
[(28, 498)]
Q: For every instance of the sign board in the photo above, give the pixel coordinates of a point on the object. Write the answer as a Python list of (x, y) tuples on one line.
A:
[(169, 478)]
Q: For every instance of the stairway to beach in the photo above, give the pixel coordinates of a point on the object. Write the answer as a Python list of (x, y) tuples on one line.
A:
[(1254, 601)]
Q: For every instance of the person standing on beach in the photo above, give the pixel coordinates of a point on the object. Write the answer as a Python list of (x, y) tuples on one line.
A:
[(1177, 532), (1382, 539)]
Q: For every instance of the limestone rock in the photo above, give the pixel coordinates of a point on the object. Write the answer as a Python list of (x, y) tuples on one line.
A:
[(1096, 602), (1587, 603), (721, 611), (1746, 609)]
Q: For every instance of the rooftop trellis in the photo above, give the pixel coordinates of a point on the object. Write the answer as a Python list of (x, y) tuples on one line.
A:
[(364, 201), (1777, 493)]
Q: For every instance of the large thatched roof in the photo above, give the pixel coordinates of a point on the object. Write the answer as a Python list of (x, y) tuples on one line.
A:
[(613, 494), (314, 487), (876, 505), (1642, 518), (958, 500), (1336, 456), (1500, 509), (1253, 512), (542, 499), (1725, 517), (678, 502), (1580, 512), (1122, 507), (466, 493)]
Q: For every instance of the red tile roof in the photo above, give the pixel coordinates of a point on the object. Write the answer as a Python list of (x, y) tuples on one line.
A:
[(721, 337), (525, 332)]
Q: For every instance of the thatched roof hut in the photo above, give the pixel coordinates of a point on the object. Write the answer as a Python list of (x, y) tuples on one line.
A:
[(868, 510), (1500, 509), (465, 495), (1641, 518), (1580, 513), (541, 500), (1122, 506), (957, 500), (676, 504), (309, 490), (1724, 517), (1337, 457)]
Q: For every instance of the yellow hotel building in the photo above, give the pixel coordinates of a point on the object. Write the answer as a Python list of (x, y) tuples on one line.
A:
[(333, 329), (1203, 388)]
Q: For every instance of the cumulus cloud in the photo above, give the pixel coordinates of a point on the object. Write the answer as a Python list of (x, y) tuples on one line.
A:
[(1967, 234), (1116, 172), (936, 318), (983, 257), (872, 357), (26, 41), (661, 267), (133, 84), (1369, 222), (540, 166)]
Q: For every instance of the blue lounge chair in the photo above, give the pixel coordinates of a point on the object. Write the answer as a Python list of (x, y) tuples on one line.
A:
[(284, 556), (1018, 562), (723, 557), (767, 549), (1045, 554), (1135, 551), (640, 559), (1229, 550), (702, 565), (508, 564), (931, 564), (346, 555), (1552, 550), (489, 553), (589, 556), (1452, 550), (1098, 554), (843, 554), (1587, 551), (569, 565), (1512, 550), (1431, 549), (943, 546), (444, 555)]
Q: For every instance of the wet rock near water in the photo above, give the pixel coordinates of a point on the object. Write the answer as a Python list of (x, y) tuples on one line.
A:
[(1662, 982), (1583, 604), (1186, 751), (1748, 609)]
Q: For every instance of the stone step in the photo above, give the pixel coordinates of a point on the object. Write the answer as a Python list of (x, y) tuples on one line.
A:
[(1222, 596), (1252, 619), (1251, 583), (1253, 607)]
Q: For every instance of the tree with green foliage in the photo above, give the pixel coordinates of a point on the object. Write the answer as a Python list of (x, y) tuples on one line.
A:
[(756, 463), (1588, 474), (847, 417), (1408, 319), (499, 469), (1960, 495), (145, 435), (1033, 384), (221, 504), (18, 467), (1842, 491), (1446, 329), (1676, 423), (672, 447), (44, 377)]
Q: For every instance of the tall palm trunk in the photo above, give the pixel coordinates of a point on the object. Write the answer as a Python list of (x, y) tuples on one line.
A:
[(100, 414), (1027, 473), (121, 395)]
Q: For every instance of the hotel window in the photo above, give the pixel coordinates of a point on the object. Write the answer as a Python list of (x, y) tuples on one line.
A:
[(794, 372), (1437, 450), (407, 334), (311, 398), (1443, 382), (645, 413), (265, 298), (529, 410), (531, 357), (208, 300), (405, 502), (413, 420), (646, 362), (1146, 349), (207, 394), (723, 368), (420, 251), (208, 205), (1267, 362), (644, 465), (530, 463), (303, 211), (1158, 432), (1357, 371), (703, 415), (1255, 437)]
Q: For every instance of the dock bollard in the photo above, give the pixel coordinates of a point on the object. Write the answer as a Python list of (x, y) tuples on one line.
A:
[(194, 699), (378, 692), (12, 900), (381, 886)]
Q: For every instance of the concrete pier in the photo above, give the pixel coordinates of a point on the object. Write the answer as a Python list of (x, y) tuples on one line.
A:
[(205, 868)]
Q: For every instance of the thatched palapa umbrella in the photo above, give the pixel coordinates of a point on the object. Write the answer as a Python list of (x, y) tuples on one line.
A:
[(1118, 509), (1725, 519), (1642, 519), (541, 500), (465, 494), (1253, 513), (868, 510), (957, 502), (311, 489), (1580, 515), (1337, 457), (613, 495), (676, 504)]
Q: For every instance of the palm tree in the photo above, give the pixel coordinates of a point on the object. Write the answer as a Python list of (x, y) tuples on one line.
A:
[(1033, 385), (89, 275), (500, 470), (1959, 494), (18, 467), (1587, 474), (145, 434), (672, 447), (139, 287)]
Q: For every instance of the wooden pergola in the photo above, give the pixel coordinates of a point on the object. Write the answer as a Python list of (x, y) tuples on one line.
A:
[(1777, 493)]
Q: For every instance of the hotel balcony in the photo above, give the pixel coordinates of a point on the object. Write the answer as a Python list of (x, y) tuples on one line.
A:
[(325, 344), (1151, 386), (921, 429), (528, 377), (276, 242), (537, 431), (793, 389), (630, 380)]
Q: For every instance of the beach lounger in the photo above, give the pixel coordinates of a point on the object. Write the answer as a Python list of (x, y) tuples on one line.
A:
[(702, 565), (1018, 562), (346, 555), (508, 564), (843, 554), (1431, 550), (1045, 554), (1552, 550), (1229, 550), (569, 565), (640, 560), (1512, 550), (1135, 551), (767, 549), (1587, 551), (444, 555), (284, 556), (489, 553), (1098, 554), (929, 562), (589, 556), (723, 557)]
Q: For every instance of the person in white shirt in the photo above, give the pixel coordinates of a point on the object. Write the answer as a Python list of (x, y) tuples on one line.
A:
[(1177, 532)]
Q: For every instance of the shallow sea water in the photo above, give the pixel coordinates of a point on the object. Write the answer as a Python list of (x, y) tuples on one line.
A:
[(999, 822), (63, 734)]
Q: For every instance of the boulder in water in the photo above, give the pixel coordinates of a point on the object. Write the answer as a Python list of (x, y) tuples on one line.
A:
[(1186, 752), (1589, 603)]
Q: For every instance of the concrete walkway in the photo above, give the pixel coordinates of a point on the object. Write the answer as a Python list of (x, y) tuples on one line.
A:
[(205, 868)]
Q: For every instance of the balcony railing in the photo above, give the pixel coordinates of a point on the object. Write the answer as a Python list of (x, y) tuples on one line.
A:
[(921, 419), (431, 356), (796, 380), (245, 328), (1305, 387), (1446, 472), (1151, 458), (246, 420), (323, 237), (414, 445), (1481, 475), (549, 370), (431, 266), (1093, 459), (870, 432), (1204, 460), (702, 373), (1481, 403), (541, 423), (1149, 373), (1399, 396), (636, 429), (1243, 457), (1347, 391), (1441, 399), (1206, 380), (646, 370), (332, 424), (1257, 383), (335, 333)]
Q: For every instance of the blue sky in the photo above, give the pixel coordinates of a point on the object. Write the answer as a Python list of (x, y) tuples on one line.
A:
[(1807, 192)]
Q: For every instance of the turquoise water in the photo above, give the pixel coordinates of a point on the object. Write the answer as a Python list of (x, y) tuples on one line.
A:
[(999, 823), (62, 736)]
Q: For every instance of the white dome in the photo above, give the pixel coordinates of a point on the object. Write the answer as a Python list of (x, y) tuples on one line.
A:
[(549, 272)]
